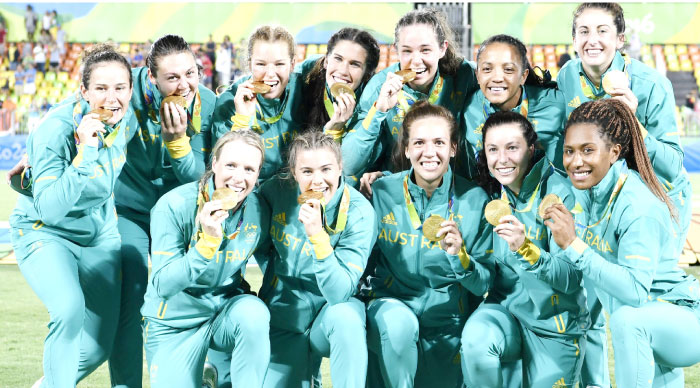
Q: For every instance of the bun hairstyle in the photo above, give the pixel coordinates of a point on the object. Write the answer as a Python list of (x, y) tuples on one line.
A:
[(613, 9), (245, 135), (618, 125), (271, 34), (521, 50), (313, 139), (164, 46), (98, 54)]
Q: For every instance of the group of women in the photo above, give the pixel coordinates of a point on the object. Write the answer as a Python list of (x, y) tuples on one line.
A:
[(466, 258)]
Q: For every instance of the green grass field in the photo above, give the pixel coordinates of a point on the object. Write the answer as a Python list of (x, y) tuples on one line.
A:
[(23, 321)]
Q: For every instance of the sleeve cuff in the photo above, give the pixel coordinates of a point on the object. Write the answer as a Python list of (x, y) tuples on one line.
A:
[(240, 121), (85, 154), (464, 260), (321, 242), (179, 147), (372, 115), (578, 245), (575, 250), (529, 251), (207, 245)]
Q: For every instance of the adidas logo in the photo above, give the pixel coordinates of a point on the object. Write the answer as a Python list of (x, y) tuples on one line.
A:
[(280, 218), (389, 219), (575, 102), (560, 384)]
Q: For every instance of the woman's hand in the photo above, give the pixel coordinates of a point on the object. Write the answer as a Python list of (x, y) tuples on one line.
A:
[(366, 182), (452, 242), (18, 168), (310, 216), (389, 93), (512, 231), (560, 221), (244, 100), (627, 96), (343, 107), (212, 217), (87, 131), (173, 120)]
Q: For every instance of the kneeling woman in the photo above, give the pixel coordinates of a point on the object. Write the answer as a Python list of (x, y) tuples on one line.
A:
[(201, 245), (536, 309), (625, 247), (321, 241), (432, 266)]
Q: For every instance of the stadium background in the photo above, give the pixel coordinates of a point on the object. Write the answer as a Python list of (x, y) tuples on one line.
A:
[(664, 36)]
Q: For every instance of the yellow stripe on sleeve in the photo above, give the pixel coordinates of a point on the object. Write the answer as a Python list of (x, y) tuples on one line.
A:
[(179, 148)]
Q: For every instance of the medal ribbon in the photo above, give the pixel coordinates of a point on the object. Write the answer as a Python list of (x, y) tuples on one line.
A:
[(103, 141), (412, 213), (202, 198), (259, 115), (337, 134), (342, 218), (524, 105), (406, 100), (588, 91), (531, 201)]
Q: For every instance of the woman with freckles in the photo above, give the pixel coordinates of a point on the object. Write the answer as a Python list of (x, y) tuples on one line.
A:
[(203, 234), (536, 308), (269, 101), (65, 234), (425, 45), (171, 148), (598, 35), (352, 57), (432, 265), (507, 82), (621, 241), (322, 232)]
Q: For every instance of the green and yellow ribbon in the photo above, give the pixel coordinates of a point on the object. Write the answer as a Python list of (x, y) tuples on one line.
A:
[(342, 218), (586, 87)]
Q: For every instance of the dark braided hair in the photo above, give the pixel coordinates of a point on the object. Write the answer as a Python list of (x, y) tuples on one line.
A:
[(315, 81), (490, 184), (448, 64), (164, 46), (98, 54), (532, 77), (613, 8), (617, 125), (420, 110)]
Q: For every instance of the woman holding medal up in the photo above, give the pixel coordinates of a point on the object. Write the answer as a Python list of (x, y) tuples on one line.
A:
[(432, 265), (65, 235), (508, 83), (536, 309), (268, 101), (322, 232), (602, 71), (428, 68), (172, 114), (621, 241), (337, 80), (204, 234)]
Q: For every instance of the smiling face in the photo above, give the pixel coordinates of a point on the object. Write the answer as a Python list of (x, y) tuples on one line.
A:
[(271, 64), (429, 149), (346, 64), (237, 167), (507, 155), (500, 74), (177, 75), (109, 89), (596, 40), (587, 156), (420, 51), (317, 170)]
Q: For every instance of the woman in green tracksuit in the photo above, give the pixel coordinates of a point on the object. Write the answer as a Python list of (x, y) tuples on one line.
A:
[(312, 270), (598, 35), (194, 298), (424, 287), (623, 246), (508, 83), (536, 309), (275, 114), (170, 148), (352, 57), (424, 43), (66, 236)]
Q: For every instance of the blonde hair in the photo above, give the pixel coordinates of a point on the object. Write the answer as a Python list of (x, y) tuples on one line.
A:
[(246, 136), (271, 34), (314, 139)]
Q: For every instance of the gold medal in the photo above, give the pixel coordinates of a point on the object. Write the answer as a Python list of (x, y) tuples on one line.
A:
[(228, 198), (547, 201), (175, 99), (431, 226), (104, 114), (614, 79), (408, 75), (309, 194), (339, 88), (495, 210), (260, 87)]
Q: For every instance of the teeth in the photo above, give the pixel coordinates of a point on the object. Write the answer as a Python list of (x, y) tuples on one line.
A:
[(429, 165), (582, 174), (499, 89), (506, 170), (594, 51), (271, 83), (341, 80)]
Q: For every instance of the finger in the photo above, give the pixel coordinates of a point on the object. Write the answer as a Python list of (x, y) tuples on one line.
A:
[(166, 117), (182, 113)]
